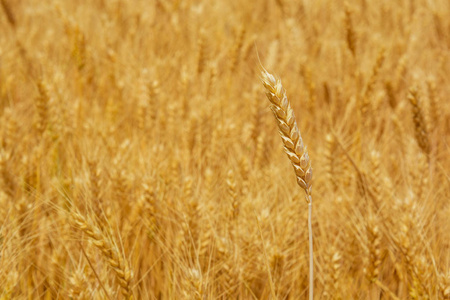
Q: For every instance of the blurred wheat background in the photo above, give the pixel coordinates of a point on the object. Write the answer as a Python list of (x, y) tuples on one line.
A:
[(139, 157)]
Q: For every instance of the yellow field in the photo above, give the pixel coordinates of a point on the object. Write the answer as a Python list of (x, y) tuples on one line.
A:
[(139, 157)]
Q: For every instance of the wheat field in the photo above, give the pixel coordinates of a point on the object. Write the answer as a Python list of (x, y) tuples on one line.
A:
[(139, 157)]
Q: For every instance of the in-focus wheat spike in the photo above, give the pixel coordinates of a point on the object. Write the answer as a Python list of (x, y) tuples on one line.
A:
[(289, 132), (109, 251), (419, 122)]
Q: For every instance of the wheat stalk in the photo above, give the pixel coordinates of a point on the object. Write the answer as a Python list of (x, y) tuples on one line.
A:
[(294, 148)]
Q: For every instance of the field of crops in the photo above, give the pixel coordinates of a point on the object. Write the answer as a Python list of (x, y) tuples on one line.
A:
[(140, 157)]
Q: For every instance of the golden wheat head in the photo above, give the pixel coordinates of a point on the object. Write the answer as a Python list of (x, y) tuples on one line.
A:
[(289, 132)]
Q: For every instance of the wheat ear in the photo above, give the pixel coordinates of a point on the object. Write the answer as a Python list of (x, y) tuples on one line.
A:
[(109, 251), (294, 148), (420, 125), (8, 12), (292, 140)]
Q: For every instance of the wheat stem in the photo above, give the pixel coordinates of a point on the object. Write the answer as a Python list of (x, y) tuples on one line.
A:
[(311, 253)]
